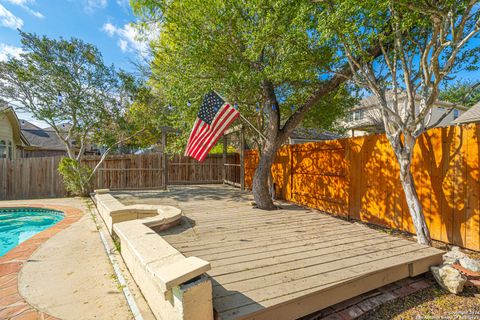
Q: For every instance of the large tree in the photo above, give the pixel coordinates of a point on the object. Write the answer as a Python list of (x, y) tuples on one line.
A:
[(264, 55), (66, 84), (422, 43)]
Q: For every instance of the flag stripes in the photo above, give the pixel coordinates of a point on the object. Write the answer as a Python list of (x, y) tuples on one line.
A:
[(214, 117)]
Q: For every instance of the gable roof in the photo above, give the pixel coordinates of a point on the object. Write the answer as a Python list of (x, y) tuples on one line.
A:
[(313, 134), (372, 102), (42, 138), (24, 124), (18, 137), (471, 115)]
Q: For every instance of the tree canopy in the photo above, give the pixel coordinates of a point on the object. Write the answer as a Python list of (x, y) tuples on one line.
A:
[(65, 82), (233, 47), (466, 93)]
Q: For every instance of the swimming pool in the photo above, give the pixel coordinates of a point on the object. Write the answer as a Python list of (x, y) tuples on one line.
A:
[(20, 224)]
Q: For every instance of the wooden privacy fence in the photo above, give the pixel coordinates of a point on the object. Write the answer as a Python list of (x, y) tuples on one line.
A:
[(28, 178), (359, 178)]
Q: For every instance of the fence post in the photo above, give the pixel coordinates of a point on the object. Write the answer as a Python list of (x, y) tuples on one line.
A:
[(291, 172), (164, 158), (52, 177), (224, 158), (242, 159)]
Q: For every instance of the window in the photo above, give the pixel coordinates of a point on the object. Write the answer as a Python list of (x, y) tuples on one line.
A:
[(456, 113), (10, 150), (358, 115), (3, 147)]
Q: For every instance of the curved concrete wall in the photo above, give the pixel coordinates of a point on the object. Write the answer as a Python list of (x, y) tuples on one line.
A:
[(175, 287)]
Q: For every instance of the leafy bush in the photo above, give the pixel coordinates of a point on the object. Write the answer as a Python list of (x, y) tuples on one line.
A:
[(76, 176)]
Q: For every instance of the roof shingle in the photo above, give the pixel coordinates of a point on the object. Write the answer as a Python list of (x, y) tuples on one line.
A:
[(471, 115)]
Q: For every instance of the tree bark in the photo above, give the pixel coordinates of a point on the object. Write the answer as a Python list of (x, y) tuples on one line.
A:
[(260, 188), (404, 156)]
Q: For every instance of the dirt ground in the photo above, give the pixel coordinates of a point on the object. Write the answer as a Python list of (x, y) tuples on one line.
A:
[(431, 303)]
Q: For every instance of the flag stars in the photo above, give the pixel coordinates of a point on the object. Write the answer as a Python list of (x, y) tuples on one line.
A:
[(214, 117)]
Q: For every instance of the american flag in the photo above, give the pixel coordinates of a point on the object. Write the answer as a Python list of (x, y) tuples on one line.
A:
[(214, 117)]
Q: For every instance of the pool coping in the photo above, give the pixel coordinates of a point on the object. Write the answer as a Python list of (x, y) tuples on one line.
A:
[(12, 304)]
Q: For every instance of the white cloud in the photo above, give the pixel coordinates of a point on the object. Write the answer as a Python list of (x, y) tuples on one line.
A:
[(129, 39), (123, 3), (24, 4), (7, 51), (9, 20), (91, 6), (20, 2), (109, 28)]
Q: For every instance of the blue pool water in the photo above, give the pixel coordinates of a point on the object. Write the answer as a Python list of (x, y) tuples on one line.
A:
[(19, 224)]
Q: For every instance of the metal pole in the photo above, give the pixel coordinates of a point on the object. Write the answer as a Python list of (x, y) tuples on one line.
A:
[(245, 119), (164, 159), (254, 128)]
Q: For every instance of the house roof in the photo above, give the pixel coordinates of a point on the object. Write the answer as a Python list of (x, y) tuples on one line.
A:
[(42, 138), (24, 124), (313, 134), (371, 101), (18, 137), (471, 115)]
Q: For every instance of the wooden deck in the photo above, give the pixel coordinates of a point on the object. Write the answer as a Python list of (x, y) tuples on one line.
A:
[(287, 263)]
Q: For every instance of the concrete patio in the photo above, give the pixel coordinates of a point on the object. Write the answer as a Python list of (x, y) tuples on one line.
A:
[(281, 264), (77, 282)]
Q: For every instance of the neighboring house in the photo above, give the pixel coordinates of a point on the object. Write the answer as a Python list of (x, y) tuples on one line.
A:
[(303, 135), (23, 139), (471, 115), (365, 118), (45, 142), (12, 142), (42, 142)]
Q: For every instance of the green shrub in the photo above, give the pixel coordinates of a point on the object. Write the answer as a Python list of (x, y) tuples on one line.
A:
[(76, 176)]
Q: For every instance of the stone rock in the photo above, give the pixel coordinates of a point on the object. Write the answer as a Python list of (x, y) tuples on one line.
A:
[(470, 264), (453, 256), (449, 278)]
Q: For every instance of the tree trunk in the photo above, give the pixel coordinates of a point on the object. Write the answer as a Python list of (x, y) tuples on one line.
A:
[(415, 208), (404, 156), (260, 188)]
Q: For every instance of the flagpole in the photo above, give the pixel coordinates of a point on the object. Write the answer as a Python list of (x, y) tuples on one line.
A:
[(251, 125), (245, 119)]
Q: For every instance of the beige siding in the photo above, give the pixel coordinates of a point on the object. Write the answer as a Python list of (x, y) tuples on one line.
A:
[(447, 121), (6, 134)]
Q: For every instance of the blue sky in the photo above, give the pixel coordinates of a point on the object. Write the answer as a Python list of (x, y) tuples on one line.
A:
[(105, 23)]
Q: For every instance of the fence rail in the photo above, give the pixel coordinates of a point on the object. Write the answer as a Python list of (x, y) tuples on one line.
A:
[(359, 178), (28, 178)]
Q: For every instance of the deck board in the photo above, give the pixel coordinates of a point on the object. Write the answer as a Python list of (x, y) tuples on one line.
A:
[(286, 263)]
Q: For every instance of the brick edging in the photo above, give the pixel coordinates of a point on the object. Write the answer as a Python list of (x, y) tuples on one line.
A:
[(12, 304)]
